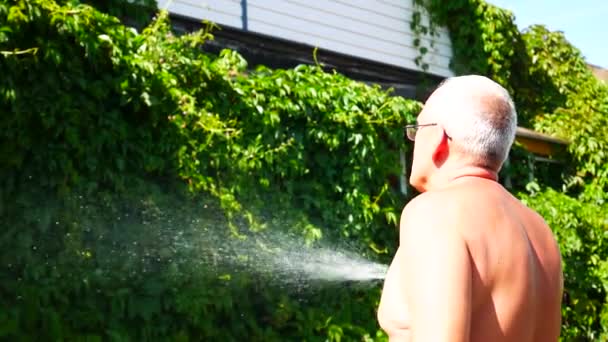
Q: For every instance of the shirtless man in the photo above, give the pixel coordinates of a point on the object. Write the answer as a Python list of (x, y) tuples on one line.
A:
[(474, 263)]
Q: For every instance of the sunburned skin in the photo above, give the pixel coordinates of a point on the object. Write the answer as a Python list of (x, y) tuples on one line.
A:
[(473, 263)]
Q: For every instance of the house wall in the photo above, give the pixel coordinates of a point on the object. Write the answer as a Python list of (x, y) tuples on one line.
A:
[(377, 30)]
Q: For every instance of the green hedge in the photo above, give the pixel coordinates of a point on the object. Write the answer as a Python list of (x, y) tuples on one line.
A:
[(133, 164), (581, 228), (137, 172)]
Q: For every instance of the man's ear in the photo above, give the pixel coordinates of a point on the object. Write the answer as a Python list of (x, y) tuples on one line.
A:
[(441, 149)]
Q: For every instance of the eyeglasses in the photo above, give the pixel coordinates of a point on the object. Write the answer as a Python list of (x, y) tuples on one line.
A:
[(410, 131)]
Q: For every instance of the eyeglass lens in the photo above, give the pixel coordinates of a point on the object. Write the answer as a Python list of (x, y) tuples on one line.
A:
[(411, 133)]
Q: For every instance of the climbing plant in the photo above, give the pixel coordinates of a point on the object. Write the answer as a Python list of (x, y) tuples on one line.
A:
[(132, 162), (129, 155)]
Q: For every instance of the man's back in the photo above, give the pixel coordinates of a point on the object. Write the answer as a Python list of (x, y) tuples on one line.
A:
[(515, 265), (517, 283)]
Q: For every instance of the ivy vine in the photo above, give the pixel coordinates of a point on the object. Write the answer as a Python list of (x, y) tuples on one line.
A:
[(420, 30), (130, 160)]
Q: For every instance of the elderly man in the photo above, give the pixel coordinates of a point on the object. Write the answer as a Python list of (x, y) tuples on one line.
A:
[(474, 263)]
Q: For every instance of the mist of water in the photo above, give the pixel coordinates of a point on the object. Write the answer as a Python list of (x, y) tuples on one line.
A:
[(283, 260), (289, 260), (144, 238)]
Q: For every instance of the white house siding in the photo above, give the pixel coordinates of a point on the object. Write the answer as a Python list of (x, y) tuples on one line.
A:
[(378, 30)]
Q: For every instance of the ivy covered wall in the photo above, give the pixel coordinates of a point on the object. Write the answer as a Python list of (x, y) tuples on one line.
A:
[(135, 169), (129, 156)]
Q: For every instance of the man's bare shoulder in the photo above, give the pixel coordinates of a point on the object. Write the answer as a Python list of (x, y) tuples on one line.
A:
[(466, 199), (451, 210), (438, 205), (429, 214)]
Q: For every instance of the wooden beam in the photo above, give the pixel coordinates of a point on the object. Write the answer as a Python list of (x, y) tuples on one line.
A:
[(538, 143)]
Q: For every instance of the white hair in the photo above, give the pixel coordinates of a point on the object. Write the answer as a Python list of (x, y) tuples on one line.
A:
[(484, 119)]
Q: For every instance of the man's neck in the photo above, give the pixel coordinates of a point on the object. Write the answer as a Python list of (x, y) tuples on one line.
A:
[(456, 175), (473, 171)]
